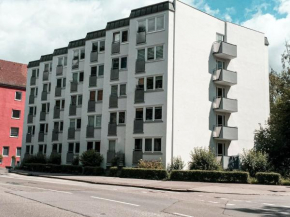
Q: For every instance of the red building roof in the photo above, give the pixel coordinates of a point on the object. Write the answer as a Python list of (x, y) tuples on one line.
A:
[(13, 74)]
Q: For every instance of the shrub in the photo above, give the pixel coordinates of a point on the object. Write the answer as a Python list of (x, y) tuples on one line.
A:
[(210, 176), (71, 169), (76, 161), (54, 158), (268, 178), (154, 164), (254, 161), (91, 158), (177, 164), (36, 159), (94, 171), (203, 159), (141, 173), (114, 172)]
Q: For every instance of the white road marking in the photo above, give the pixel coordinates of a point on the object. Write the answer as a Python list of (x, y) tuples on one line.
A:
[(269, 204), (237, 200), (145, 192), (201, 200), (116, 201), (222, 198), (230, 204), (176, 213), (213, 202)]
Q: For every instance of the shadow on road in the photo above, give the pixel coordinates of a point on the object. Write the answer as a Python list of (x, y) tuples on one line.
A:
[(266, 211)]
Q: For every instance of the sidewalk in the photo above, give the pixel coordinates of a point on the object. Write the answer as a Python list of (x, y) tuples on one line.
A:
[(220, 188)]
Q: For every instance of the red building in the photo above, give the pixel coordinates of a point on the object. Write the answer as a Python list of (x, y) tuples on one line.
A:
[(12, 104)]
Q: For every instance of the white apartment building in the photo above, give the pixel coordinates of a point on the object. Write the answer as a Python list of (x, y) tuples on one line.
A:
[(152, 86)]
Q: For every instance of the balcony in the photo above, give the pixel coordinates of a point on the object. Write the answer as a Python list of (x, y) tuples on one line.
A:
[(138, 126), (225, 77), (54, 135), (30, 119), (56, 112), (94, 56), (114, 74), (75, 64), (71, 133), (90, 131), (113, 102), (137, 155), (93, 81), (112, 129), (141, 38), (115, 47), (42, 116), (110, 157), (72, 109), (224, 50), (91, 106), (140, 66), (73, 86), (59, 70), (28, 137), (225, 105), (43, 95), (57, 91), (31, 99), (69, 157), (41, 137), (139, 95), (45, 76), (32, 80), (225, 133)]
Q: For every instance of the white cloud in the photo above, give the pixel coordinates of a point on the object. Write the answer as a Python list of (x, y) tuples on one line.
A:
[(31, 28), (208, 10)]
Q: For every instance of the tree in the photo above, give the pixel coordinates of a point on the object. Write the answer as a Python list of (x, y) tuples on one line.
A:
[(203, 159), (274, 138), (91, 158)]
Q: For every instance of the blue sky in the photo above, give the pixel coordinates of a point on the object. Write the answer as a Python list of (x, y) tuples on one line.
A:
[(40, 26)]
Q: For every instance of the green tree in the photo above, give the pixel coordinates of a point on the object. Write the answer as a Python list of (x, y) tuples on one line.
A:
[(91, 158), (203, 159)]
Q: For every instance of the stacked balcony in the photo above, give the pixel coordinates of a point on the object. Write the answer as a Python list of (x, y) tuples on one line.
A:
[(116, 47), (73, 86), (224, 50), (57, 91), (93, 81), (32, 80), (113, 102), (55, 135), (139, 95), (72, 110), (225, 77), (43, 95), (94, 56), (56, 112), (71, 133), (222, 104), (45, 75), (225, 133), (114, 74), (91, 106), (59, 70), (138, 126), (31, 99), (90, 131), (112, 129)]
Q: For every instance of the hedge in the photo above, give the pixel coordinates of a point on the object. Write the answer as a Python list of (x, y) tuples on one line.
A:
[(140, 173), (94, 171), (114, 172), (268, 178), (52, 168), (209, 176)]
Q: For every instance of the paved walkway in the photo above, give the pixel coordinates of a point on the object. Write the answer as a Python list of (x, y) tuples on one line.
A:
[(221, 188)]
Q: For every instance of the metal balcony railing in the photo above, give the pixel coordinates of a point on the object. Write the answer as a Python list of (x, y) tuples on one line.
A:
[(115, 47), (43, 96), (42, 116), (138, 126), (90, 131), (224, 50), (93, 81), (225, 105), (72, 110), (41, 137), (71, 133), (114, 74), (141, 38), (139, 95), (73, 86), (94, 56), (225, 133), (57, 91), (56, 112), (113, 102), (112, 129), (59, 70), (225, 77), (140, 66), (30, 119)]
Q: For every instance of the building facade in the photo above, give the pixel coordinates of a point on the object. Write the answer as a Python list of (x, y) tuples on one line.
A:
[(151, 86), (12, 104)]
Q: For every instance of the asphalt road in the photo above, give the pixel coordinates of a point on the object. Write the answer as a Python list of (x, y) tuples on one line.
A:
[(27, 196)]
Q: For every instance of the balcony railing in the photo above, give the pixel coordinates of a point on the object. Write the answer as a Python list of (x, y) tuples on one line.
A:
[(71, 133), (137, 155), (138, 126), (73, 86), (110, 157), (93, 81), (224, 50), (32, 80), (75, 64), (45, 75), (72, 109), (94, 56), (43, 95), (31, 99), (28, 137), (225, 105), (225, 133), (115, 47), (141, 38), (56, 112), (91, 106), (140, 66), (113, 102), (225, 77), (42, 116), (114, 74), (139, 95), (41, 137), (55, 135), (30, 119), (112, 129), (57, 91), (90, 131), (69, 157), (59, 70)]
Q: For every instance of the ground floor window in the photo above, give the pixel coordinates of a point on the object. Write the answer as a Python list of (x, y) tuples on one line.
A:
[(221, 149)]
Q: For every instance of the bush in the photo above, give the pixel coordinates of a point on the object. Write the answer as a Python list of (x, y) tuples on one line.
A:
[(36, 159), (268, 178), (154, 164), (76, 161), (54, 158), (114, 172), (91, 158), (141, 173), (254, 161), (203, 159), (210, 176), (177, 164), (71, 169), (94, 171)]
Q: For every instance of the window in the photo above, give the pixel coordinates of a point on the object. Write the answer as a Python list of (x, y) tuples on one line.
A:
[(14, 131), (18, 151), (141, 25), (90, 145), (112, 144), (221, 120), (100, 95), (77, 148), (5, 151), (121, 117), (95, 47), (152, 113), (157, 144), (116, 37), (79, 123), (72, 123), (149, 114), (61, 82), (158, 113), (160, 23), (150, 53), (158, 82), (98, 120), (219, 37), (153, 53), (122, 89), (81, 78), (139, 114), (113, 117), (159, 52), (102, 46), (151, 25), (94, 71), (220, 92), (98, 147), (91, 121), (148, 144), (124, 63), (220, 149), (82, 54), (115, 63), (65, 61), (138, 145), (62, 61), (220, 65), (141, 54), (18, 95), (150, 84), (92, 95), (124, 36), (101, 70), (31, 130), (76, 55), (16, 114), (114, 90), (80, 99)]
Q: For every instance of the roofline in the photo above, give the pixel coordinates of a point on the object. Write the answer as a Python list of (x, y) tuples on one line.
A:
[(10, 86)]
